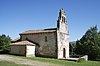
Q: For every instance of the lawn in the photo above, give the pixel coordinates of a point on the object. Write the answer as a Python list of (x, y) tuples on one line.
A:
[(65, 62), (6, 63), (61, 62)]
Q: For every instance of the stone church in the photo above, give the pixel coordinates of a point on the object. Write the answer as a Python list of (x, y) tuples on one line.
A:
[(52, 42)]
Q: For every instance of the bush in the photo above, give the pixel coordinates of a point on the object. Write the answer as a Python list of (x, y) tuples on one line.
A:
[(81, 60), (4, 44)]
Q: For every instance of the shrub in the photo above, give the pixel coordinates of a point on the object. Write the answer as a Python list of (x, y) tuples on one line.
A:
[(81, 60)]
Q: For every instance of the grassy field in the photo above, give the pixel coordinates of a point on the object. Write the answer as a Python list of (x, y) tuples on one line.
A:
[(59, 62), (65, 62), (6, 63)]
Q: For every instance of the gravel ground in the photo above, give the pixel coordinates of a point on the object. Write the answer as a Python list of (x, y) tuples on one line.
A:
[(24, 61)]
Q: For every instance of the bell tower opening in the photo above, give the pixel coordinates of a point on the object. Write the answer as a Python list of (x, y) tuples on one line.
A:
[(61, 18)]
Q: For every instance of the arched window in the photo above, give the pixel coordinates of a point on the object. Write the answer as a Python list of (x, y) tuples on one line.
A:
[(64, 20)]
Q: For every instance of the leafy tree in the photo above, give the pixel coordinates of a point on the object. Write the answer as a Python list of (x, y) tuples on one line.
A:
[(4, 43), (72, 46), (89, 44)]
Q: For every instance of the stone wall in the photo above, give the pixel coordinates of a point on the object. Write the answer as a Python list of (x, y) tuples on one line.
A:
[(17, 49), (63, 43), (47, 43), (62, 36), (30, 50)]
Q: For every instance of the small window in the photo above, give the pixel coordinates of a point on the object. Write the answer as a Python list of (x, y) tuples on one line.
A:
[(45, 38), (64, 19)]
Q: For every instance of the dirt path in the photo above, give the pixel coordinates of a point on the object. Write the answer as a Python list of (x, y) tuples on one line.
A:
[(28, 62)]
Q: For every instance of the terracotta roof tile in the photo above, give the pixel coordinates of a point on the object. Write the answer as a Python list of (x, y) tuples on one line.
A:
[(23, 43), (38, 31)]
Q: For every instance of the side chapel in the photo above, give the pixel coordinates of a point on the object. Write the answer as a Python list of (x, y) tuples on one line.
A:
[(53, 42)]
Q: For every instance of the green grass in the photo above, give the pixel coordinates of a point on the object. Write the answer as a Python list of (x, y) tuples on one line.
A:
[(62, 62), (6, 63), (65, 62)]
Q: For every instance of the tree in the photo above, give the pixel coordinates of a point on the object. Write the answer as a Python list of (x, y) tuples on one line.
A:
[(4, 43), (89, 44), (72, 46)]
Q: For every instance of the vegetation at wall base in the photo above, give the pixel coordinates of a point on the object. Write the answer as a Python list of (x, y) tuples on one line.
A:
[(81, 60)]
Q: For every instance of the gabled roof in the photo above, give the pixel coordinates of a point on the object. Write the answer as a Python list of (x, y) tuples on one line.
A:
[(16, 40), (39, 31), (23, 43)]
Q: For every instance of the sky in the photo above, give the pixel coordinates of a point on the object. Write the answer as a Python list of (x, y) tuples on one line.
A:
[(17, 16)]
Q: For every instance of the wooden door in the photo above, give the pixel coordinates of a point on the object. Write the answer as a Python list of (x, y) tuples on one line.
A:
[(64, 53)]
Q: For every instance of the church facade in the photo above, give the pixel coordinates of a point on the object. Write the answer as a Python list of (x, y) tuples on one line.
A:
[(53, 42)]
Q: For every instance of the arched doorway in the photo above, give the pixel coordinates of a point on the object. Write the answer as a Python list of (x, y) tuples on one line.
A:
[(64, 53)]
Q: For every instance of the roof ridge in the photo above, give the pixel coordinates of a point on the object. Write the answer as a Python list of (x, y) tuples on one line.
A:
[(39, 31), (23, 42)]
